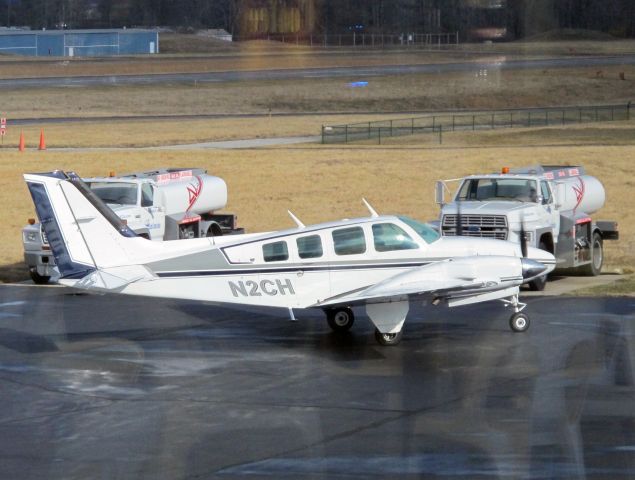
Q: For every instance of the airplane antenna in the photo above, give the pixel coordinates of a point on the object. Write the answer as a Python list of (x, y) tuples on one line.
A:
[(296, 220), (372, 211)]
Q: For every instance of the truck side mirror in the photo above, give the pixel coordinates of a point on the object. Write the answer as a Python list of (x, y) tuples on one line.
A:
[(439, 193)]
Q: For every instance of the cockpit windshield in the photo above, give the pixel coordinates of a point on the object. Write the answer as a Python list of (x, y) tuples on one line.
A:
[(115, 193), (425, 231)]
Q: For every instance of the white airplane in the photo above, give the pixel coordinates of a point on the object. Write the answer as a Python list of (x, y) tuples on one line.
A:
[(381, 262)]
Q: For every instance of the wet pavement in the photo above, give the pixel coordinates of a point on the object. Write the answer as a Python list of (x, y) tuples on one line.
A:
[(122, 387)]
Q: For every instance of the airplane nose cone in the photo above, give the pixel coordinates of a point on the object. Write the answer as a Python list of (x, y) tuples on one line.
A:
[(532, 268)]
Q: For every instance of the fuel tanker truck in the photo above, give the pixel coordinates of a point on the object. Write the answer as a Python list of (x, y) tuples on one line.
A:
[(165, 204), (550, 205)]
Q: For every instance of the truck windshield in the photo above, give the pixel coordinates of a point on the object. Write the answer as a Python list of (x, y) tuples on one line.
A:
[(115, 193), (425, 231), (481, 189)]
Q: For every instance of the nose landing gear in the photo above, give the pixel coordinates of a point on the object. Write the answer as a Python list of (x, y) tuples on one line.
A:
[(518, 322)]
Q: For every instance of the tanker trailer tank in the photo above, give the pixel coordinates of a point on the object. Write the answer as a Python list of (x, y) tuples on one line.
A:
[(197, 194)]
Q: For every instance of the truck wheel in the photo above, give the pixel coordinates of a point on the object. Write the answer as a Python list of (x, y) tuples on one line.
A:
[(39, 279), (214, 230), (597, 257), (538, 285)]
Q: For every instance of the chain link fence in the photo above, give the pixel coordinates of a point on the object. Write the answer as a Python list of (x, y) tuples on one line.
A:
[(361, 39), (437, 124)]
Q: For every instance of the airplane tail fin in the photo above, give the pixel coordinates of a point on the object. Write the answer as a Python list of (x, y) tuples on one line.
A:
[(84, 234)]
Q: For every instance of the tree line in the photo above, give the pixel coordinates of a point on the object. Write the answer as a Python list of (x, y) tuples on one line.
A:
[(520, 17)]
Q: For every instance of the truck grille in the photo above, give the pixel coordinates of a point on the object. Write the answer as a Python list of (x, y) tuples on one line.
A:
[(489, 226)]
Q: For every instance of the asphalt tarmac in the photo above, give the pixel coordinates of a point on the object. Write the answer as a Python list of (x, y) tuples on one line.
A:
[(111, 387)]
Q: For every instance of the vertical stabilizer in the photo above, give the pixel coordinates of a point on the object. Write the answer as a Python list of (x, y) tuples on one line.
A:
[(83, 232)]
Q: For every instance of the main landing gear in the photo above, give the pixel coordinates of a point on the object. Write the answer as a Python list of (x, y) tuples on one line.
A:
[(518, 322), (341, 320)]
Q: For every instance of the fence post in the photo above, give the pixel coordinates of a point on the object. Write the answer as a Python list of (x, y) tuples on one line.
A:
[(547, 117), (346, 133), (453, 123), (563, 116), (379, 136), (580, 114), (434, 121), (492, 121), (473, 122), (368, 129), (322, 134), (440, 134), (511, 120), (412, 126), (611, 114), (529, 119), (391, 128), (628, 111)]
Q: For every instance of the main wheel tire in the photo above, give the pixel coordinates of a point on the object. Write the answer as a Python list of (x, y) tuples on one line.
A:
[(538, 285), (39, 279), (594, 268), (388, 339), (340, 319), (519, 322)]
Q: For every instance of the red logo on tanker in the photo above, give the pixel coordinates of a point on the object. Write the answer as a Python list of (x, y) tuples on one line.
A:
[(194, 191), (579, 193)]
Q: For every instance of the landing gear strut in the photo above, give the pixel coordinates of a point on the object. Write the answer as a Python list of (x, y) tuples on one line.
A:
[(518, 322)]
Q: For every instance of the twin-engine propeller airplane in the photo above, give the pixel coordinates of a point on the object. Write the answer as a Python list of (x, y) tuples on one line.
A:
[(381, 262)]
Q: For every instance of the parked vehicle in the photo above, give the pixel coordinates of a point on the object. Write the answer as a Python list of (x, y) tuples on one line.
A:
[(549, 205)]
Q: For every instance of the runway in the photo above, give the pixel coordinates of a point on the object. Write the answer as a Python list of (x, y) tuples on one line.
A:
[(116, 387), (496, 63)]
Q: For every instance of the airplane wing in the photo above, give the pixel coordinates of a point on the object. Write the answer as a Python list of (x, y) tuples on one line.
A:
[(457, 281), (445, 279)]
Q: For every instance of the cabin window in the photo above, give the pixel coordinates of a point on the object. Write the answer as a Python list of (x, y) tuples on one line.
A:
[(349, 241), (310, 247), (275, 252), (389, 237)]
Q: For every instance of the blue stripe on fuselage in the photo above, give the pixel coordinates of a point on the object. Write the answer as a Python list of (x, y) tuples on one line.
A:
[(45, 212)]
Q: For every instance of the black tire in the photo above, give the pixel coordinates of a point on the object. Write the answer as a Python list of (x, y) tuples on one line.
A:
[(214, 230), (538, 285), (388, 339), (594, 268), (340, 319), (39, 279), (519, 322)]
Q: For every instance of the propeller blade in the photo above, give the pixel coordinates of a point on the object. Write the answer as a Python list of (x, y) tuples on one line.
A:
[(523, 237)]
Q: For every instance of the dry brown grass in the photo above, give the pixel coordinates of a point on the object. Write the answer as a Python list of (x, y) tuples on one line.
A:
[(320, 184)]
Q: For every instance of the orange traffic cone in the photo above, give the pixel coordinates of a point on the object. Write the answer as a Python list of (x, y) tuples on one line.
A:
[(21, 144), (42, 143)]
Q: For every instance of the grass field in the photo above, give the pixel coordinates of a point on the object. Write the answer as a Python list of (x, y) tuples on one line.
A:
[(324, 183), (409, 93)]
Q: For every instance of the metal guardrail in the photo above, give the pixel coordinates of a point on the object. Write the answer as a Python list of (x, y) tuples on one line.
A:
[(437, 124)]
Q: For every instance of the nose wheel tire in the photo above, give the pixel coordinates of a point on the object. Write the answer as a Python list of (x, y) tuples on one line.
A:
[(519, 322), (340, 319), (388, 339)]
